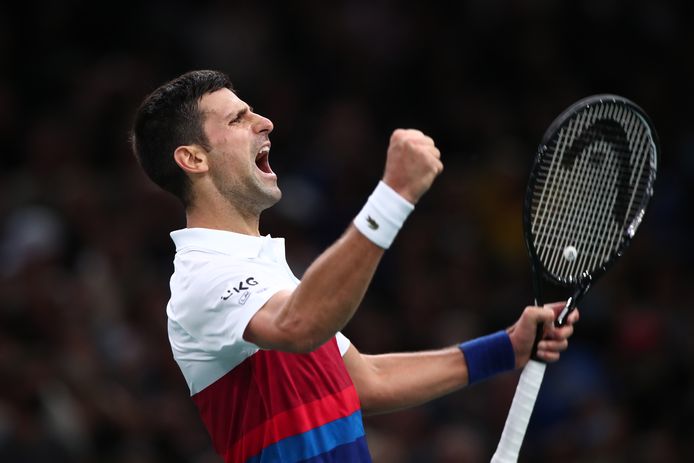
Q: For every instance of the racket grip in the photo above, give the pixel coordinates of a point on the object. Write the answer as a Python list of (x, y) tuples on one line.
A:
[(520, 412)]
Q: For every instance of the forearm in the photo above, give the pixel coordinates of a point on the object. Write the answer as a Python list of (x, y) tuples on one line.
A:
[(397, 381), (331, 289)]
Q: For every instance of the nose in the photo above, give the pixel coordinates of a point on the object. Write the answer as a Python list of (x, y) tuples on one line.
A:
[(262, 124)]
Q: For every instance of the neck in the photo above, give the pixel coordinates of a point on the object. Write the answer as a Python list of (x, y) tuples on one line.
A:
[(226, 218)]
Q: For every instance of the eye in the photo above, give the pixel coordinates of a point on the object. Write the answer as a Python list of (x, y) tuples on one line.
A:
[(239, 117)]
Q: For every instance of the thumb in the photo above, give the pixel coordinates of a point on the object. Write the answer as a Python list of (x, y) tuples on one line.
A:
[(556, 307), (540, 315)]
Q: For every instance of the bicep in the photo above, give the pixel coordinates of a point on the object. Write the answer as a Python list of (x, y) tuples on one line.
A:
[(286, 324), (263, 329), (364, 373)]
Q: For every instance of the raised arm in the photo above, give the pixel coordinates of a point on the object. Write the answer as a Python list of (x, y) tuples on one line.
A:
[(333, 286)]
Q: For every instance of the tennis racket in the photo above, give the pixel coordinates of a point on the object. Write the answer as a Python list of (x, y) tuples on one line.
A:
[(589, 187)]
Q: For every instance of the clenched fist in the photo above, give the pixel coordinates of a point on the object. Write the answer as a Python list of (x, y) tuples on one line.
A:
[(412, 164)]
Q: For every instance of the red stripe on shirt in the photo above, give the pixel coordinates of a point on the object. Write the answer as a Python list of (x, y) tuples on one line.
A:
[(266, 385), (295, 421)]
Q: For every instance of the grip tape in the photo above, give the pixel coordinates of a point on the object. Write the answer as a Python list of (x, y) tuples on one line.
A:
[(520, 412)]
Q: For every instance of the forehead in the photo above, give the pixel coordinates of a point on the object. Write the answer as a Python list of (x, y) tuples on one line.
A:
[(220, 103)]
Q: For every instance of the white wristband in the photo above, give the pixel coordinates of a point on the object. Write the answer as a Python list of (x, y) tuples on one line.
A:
[(383, 215)]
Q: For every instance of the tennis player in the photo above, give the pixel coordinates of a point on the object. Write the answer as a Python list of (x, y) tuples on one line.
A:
[(272, 376)]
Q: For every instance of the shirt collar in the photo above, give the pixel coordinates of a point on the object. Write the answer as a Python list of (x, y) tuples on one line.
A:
[(226, 242)]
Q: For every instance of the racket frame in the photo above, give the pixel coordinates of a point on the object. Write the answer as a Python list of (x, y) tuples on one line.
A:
[(585, 281)]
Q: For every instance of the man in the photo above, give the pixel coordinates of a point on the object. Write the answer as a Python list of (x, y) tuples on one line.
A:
[(266, 364)]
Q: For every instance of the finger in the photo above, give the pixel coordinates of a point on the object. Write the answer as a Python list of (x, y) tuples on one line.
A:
[(407, 134), (550, 345), (573, 317), (435, 152), (415, 133), (397, 135), (427, 141), (547, 356), (556, 307), (417, 136), (564, 332), (539, 314), (421, 141)]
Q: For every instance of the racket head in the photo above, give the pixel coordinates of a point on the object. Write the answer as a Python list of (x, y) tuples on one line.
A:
[(589, 187)]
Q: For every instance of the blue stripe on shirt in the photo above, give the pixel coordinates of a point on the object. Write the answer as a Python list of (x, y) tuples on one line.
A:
[(356, 451), (315, 442)]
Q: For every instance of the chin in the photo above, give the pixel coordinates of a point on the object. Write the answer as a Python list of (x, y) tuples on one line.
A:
[(278, 195), (272, 197)]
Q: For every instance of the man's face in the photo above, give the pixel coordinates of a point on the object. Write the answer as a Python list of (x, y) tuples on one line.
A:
[(240, 146)]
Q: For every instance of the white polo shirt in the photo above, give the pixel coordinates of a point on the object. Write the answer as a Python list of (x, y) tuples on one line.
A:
[(220, 280)]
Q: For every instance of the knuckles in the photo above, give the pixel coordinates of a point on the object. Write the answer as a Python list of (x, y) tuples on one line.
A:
[(414, 143), (409, 138), (399, 136)]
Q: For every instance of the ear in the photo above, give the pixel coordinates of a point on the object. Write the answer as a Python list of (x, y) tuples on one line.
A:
[(191, 158)]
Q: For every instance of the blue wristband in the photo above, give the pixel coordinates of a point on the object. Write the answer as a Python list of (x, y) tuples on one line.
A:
[(488, 355)]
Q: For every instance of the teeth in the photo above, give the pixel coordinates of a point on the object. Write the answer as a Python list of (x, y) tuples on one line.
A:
[(265, 150)]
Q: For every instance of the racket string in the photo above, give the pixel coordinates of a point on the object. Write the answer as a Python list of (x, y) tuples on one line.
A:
[(555, 187), (578, 214), (535, 225), (602, 208), (588, 180), (556, 210), (586, 216)]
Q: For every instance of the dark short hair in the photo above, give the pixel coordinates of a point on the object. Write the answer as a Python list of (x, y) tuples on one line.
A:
[(170, 117)]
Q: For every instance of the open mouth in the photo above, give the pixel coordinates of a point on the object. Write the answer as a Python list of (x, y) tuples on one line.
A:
[(262, 160)]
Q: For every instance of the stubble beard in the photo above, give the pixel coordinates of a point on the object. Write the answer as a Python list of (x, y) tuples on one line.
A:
[(250, 196)]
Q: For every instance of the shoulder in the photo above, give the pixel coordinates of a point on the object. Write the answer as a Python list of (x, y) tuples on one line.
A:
[(199, 274)]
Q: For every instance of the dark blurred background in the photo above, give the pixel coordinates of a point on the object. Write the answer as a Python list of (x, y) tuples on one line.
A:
[(87, 373)]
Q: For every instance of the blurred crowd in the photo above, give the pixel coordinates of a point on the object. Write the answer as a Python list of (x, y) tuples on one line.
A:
[(86, 369)]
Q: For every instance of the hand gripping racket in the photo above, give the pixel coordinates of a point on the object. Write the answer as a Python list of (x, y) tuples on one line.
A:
[(588, 190)]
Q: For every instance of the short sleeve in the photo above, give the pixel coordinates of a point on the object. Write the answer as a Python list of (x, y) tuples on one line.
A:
[(342, 343), (215, 301)]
